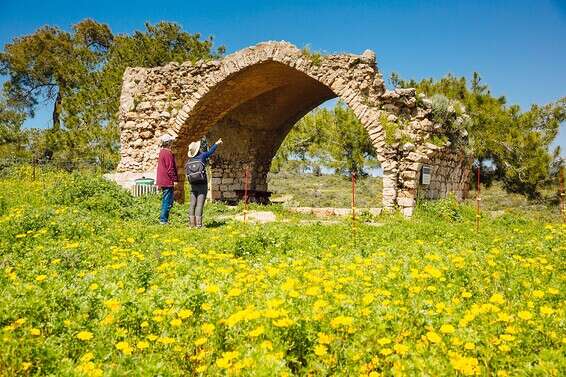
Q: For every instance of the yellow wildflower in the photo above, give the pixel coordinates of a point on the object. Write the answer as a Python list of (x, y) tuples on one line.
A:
[(469, 346), (525, 315), (433, 337), (320, 350), (108, 320), (324, 338), (84, 335), (367, 299), (497, 299), (468, 366), (226, 360), (89, 356), (207, 328), (266, 345), (213, 288), (256, 332), (386, 351), (384, 341), (124, 347), (447, 329), (341, 321), (546, 310), (166, 340), (400, 349), (112, 304), (313, 291), (200, 341)]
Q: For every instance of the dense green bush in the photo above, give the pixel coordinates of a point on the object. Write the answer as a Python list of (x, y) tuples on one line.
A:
[(261, 242), (448, 209), (91, 192), (3, 206)]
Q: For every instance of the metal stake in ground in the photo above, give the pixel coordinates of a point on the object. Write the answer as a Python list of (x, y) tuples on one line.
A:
[(354, 207), (246, 183), (478, 199), (561, 193)]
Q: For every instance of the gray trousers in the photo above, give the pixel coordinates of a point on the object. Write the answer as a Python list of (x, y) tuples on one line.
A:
[(198, 197)]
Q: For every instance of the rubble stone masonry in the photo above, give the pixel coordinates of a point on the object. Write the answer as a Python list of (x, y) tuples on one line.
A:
[(252, 99)]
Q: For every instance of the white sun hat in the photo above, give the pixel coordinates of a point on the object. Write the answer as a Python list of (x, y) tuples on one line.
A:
[(166, 139), (194, 147)]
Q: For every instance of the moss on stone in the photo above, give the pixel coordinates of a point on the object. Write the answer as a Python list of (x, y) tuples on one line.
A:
[(390, 128), (314, 57)]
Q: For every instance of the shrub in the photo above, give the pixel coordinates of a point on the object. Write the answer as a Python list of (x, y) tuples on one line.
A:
[(390, 128), (314, 57), (91, 192), (441, 108), (3, 206), (261, 242), (448, 209)]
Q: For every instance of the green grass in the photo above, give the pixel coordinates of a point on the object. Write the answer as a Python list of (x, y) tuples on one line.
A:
[(326, 190), (89, 288)]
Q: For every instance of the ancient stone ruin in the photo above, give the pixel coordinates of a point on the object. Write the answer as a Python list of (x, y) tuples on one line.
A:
[(252, 99)]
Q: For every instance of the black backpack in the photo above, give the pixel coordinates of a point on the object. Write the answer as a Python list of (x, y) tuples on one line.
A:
[(196, 171)]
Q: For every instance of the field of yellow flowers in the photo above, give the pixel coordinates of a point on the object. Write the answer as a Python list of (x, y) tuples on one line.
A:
[(92, 286)]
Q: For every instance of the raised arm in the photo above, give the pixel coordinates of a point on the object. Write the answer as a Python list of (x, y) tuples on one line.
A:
[(212, 149)]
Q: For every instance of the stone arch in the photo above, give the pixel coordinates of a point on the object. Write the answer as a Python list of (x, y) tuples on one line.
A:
[(257, 94), (255, 97)]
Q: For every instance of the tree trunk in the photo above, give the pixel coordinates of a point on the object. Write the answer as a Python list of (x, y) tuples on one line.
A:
[(57, 111)]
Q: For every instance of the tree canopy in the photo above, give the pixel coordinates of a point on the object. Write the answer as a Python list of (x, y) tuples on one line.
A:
[(333, 138), (79, 73), (514, 144)]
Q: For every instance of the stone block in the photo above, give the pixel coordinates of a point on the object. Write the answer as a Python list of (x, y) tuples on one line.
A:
[(229, 195), (323, 212), (407, 211), (405, 202)]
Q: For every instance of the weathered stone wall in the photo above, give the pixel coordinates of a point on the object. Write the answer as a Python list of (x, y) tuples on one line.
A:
[(252, 99), (450, 174)]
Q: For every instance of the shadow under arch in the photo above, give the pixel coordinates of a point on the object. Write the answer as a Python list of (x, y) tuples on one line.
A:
[(253, 110)]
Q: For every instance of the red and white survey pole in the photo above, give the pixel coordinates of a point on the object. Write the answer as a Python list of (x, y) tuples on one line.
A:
[(478, 198), (354, 206), (246, 188), (561, 193)]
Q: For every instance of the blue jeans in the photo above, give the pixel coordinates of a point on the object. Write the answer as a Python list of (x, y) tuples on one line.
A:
[(166, 203)]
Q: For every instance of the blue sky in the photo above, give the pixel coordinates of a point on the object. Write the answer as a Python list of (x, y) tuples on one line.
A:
[(519, 47)]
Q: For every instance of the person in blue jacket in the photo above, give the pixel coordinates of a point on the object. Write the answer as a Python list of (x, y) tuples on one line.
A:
[(197, 152)]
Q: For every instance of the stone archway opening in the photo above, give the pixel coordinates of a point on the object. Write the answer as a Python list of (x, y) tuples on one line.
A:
[(252, 112), (318, 180)]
